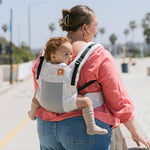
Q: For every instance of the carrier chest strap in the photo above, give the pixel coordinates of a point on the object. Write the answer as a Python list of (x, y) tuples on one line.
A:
[(87, 84), (77, 63)]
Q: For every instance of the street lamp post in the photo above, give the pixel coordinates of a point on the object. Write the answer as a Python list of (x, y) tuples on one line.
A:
[(29, 21), (11, 51), (19, 37), (29, 28)]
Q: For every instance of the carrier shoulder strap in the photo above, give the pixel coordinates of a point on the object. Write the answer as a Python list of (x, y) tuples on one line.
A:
[(39, 67), (77, 63)]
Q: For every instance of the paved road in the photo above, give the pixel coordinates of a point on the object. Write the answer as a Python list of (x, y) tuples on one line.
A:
[(17, 132)]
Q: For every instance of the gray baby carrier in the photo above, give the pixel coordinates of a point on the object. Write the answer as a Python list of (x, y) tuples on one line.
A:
[(57, 82)]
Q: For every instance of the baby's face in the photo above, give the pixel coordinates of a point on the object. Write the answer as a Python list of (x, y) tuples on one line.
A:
[(64, 53)]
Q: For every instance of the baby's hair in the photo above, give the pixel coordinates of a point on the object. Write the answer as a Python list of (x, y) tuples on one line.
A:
[(52, 45)]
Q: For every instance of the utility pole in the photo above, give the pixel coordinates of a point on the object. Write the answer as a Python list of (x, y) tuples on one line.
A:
[(11, 51), (29, 28), (30, 21)]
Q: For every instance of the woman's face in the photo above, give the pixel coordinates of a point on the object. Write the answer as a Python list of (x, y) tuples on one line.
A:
[(91, 30)]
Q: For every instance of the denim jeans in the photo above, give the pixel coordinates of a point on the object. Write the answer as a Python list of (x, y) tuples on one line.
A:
[(70, 134)]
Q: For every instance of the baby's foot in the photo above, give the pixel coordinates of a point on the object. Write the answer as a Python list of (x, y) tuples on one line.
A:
[(96, 130)]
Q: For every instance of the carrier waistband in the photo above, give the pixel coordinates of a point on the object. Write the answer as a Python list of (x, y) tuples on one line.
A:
[(97, 98)]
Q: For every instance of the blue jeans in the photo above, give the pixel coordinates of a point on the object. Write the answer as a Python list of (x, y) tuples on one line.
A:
[(70, 134)]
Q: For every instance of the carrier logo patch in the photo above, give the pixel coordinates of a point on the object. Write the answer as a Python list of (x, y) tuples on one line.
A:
[(60, 72)]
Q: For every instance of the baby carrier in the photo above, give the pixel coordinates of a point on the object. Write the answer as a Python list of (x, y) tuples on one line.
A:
[(57, 82)]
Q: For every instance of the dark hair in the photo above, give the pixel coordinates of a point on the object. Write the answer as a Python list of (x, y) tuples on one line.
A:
[(76, 17), (52, 45)]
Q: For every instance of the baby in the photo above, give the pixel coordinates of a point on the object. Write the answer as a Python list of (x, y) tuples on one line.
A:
[(59, 50)]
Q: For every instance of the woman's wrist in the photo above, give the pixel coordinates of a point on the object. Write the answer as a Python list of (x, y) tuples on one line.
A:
[(131, 126)]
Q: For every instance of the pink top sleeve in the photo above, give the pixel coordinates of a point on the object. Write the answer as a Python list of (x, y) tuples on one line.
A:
[(116, 97), (101, 66)]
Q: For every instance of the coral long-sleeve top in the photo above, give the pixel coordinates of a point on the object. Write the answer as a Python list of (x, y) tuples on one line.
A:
[(117, 107)]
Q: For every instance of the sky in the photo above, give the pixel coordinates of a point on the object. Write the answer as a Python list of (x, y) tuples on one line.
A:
[(113, 15)]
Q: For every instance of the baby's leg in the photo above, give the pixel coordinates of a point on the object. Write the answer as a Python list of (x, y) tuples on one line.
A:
[(34, 107), (88, 115)]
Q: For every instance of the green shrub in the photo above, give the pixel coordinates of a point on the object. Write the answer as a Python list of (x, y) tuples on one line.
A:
[(134, 52), (19, 55)]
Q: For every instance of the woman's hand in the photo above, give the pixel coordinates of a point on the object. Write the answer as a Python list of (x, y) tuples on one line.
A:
[(138, 138), (131, 126)]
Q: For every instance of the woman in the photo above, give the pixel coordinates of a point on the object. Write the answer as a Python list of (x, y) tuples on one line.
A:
[(67, 131)]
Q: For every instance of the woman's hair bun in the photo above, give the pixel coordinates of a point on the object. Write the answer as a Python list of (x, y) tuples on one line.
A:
[(75, 17), (64, 22), (65, 12)]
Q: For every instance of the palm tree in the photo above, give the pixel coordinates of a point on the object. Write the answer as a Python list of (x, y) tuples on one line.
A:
[(148, 19), (4, 27), (102, 31), (95, 36), (147, 39), (126, 32), (113, 39), (52, 27), (147, 34), (144, 24), (132, 25), (24, 46)]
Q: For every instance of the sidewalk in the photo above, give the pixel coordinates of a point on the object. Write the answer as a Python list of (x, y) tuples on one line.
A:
[(137, 83), (5, 87), (17, 132)]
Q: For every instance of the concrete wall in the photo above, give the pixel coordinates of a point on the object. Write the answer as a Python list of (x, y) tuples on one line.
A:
[(20, 72), (24, 70), (6, 73), (122, 140), (1, 76), (148, 71)]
